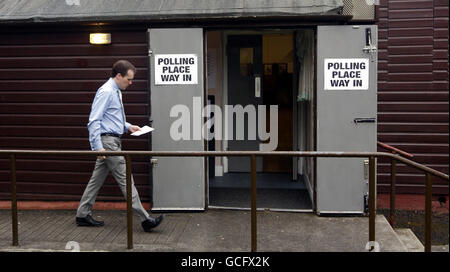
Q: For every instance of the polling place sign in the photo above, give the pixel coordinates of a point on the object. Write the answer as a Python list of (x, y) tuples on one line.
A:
[(176, 69), (346, 74)]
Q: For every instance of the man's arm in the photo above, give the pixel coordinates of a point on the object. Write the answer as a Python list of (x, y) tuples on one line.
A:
[(127, 127), (99, 106)]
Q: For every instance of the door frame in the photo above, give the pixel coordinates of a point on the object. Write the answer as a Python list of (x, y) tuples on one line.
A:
[(290, 30), (225, 34)]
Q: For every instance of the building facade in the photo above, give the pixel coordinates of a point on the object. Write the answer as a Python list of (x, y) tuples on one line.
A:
[(50, 72)]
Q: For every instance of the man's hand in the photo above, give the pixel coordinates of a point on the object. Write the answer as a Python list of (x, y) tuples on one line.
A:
[(134, 128), (101, 157)]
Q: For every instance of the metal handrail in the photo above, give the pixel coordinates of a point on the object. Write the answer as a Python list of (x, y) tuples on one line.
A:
[(395, 150), (252, 154)]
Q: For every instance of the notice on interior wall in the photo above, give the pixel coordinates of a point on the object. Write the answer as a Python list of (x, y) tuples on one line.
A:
[(346, 74), (176, 69), (211, 62)]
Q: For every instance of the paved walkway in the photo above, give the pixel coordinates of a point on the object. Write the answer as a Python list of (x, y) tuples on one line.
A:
[(213, 230)]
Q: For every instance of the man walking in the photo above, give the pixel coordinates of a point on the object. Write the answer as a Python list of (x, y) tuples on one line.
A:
[(106, 125)]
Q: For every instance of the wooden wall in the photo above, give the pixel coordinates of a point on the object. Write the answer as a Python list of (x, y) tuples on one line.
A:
[(48, 79), (413, 89)]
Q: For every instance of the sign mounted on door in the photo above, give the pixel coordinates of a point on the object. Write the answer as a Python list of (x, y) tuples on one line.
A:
[(176, 69), (346, 74)]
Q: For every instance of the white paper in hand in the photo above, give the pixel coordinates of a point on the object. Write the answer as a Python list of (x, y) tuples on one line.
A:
[(144, 130)]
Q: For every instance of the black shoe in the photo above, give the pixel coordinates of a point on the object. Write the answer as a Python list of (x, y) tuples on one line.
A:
[(88, 221), (151, 223)]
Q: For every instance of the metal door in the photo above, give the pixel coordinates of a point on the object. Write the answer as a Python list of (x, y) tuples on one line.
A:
[(244, 88), (346, 114), (178, 183)]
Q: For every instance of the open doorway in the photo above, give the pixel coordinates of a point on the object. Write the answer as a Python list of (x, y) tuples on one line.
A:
[(260, 69)]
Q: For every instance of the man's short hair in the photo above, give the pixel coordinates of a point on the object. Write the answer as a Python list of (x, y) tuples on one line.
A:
[(122, 67)]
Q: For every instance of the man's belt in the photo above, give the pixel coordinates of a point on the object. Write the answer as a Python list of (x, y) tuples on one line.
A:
[(111, 134)]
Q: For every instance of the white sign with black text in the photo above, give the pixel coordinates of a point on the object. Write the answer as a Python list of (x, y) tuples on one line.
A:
[(346, 74), (180, 69)]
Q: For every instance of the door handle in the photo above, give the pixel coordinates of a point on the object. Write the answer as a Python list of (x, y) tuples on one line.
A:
[(257, 86), (369, 48), (364, 120)]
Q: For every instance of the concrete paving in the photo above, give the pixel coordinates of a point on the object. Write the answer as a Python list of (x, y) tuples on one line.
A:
[(441, 248), (209, 231), (410, 240)]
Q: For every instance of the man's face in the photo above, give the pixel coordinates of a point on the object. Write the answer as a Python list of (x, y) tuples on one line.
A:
[(124, 81)]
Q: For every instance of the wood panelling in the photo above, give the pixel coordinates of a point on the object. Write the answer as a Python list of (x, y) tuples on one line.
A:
[(48, 80), (46, 119), (71, 50), (61, 84), (413, 90), (64, 62), (51, 74)]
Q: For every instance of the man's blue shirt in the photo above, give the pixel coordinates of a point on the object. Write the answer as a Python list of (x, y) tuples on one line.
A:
[(107, 114)]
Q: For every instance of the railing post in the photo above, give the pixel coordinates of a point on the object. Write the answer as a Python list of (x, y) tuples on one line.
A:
[(393, 176), (253, 212), (372, 201), (129, 203), (15, 231), (428, 196)]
